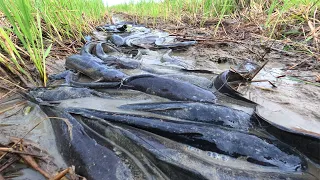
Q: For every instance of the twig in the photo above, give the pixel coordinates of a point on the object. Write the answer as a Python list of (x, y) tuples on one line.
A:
[(11, 150), (264, 64), (264, 81), (12, 107), (297, 64), (63, 119), (305, 81), (265, 89), (61, 174), (318, 78), (13, 83), (12, 159), (12, 90), (30, 160)]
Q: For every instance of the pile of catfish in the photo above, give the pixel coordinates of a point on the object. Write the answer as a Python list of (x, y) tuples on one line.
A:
[(136, 118)]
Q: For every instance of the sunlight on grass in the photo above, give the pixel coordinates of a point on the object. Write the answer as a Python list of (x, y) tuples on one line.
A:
[(33, 26), (269, 14)]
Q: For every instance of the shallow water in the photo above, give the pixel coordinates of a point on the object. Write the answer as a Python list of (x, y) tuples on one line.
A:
[(288, 105), (20, 123)]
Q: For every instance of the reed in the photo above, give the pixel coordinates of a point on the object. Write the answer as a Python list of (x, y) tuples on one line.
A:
[(29, 28), (271, 15)]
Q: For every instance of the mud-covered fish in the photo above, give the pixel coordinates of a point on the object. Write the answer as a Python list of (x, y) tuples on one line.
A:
[(63, 93), (88, 66), (258, 150), (116, 62), (170, 157), (116, 39), (168, 88), (160, 42), (90, 159), (198, 112)]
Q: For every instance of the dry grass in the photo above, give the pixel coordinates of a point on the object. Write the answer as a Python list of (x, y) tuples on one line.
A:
[(294, 22)]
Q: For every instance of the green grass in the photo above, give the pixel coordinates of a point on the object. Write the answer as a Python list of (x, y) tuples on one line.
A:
[(32, 26), (176, 8), (270, 15)]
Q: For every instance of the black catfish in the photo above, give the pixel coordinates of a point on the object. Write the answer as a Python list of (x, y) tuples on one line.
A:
[(198, 112), (90, 159), (258, 150), (89, 66), (168, 88), (170, 157)]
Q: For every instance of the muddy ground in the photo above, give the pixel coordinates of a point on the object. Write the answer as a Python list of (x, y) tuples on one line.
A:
[(298, 96)]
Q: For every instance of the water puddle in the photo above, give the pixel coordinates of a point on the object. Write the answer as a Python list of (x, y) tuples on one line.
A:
[(19, 121)]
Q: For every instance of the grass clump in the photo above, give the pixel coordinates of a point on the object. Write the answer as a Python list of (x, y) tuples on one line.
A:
[(31, 28), (277, 19)]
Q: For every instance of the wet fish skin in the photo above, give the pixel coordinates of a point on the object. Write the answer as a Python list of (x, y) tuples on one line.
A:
[(160, 43), (116, 39), (63, 93), (71, 81), (99, 52), (198, 112), (221, 84), (90, 159), (118, 63), (306, 144), (267, 152), (163, 153), (146, 150), (87, 48), (88, 66), (169, 88), (59, 76)]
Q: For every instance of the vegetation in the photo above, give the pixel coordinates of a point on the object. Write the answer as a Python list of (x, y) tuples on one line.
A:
[(28, 29), (277, 18)]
